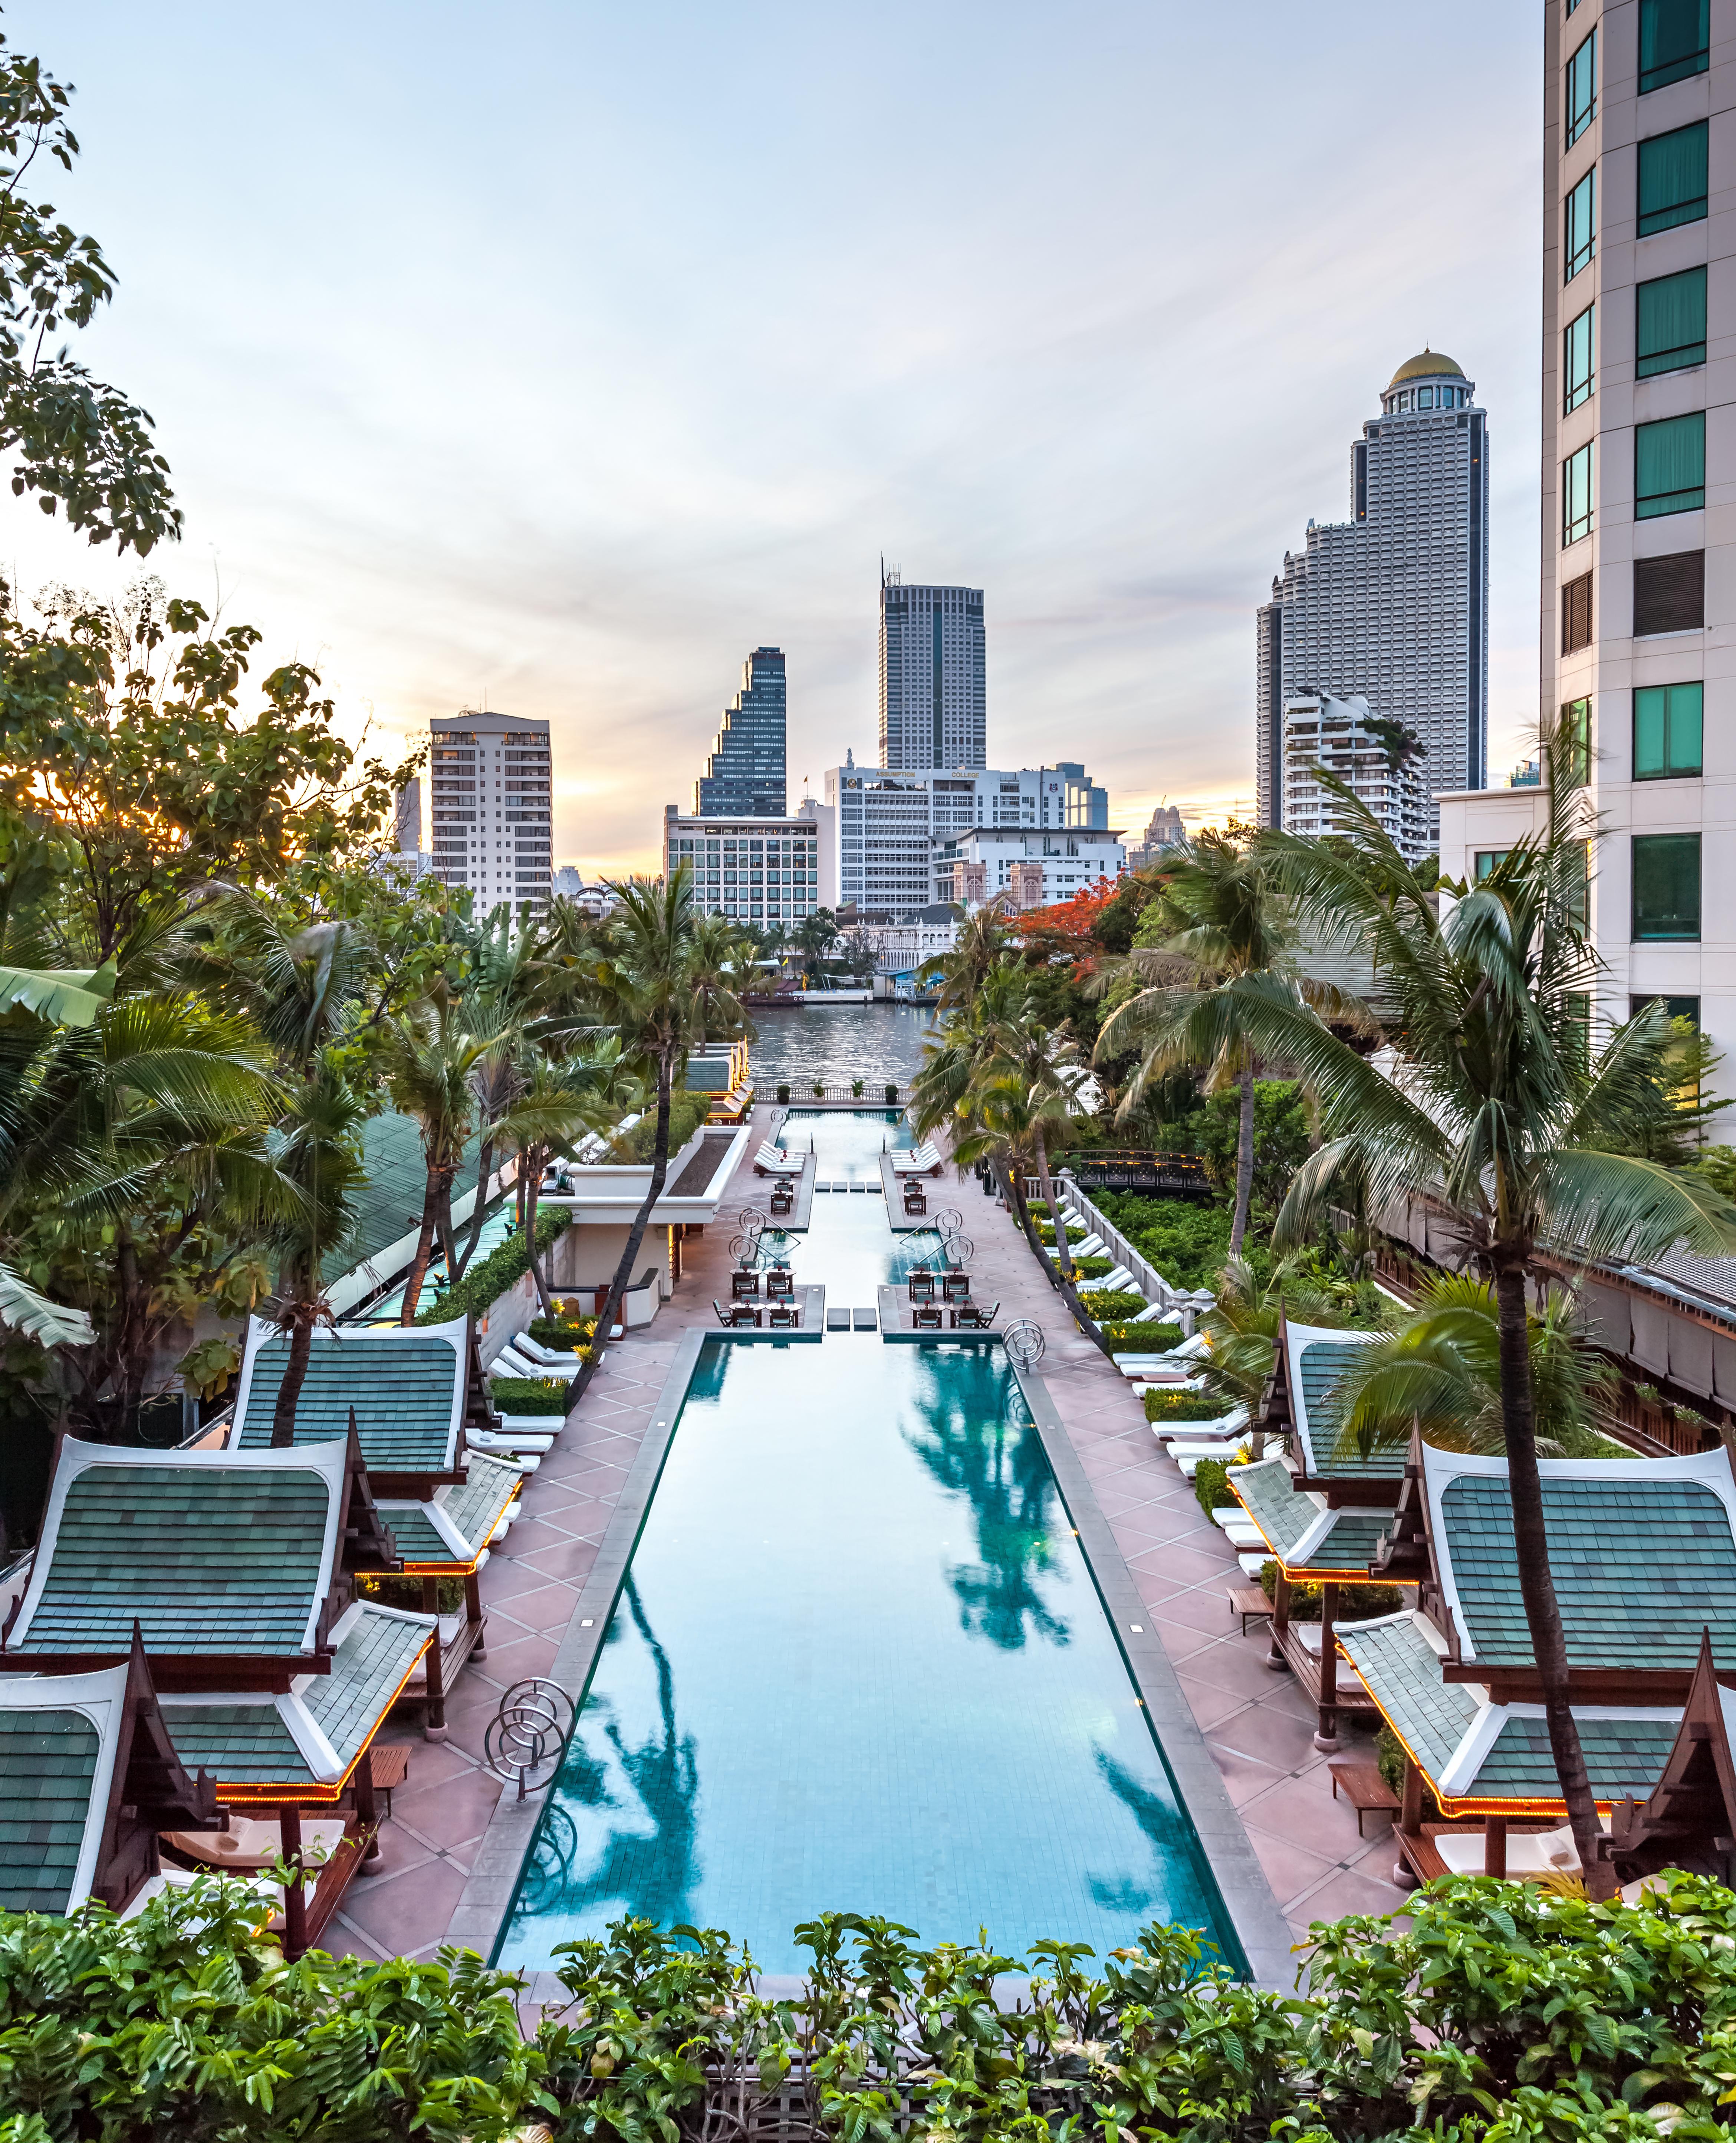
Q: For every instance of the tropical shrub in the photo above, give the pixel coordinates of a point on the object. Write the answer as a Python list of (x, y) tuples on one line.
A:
[(489, 1278), (1095, 1269), (1183, 1406), (784, 1093), (1140, 1338), (566, 1330), (1211, 1485), (1357, 1603), (530, 1394), (1186, 1241), (184, 2023), (1108, 1305), (686, 1113), (406, 1592)]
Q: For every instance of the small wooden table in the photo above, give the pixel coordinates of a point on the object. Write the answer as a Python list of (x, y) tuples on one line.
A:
[(1249, 1601), (389, 1762), (1365, 1789)]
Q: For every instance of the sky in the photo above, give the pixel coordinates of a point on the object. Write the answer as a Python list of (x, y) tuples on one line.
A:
[(551, 356)]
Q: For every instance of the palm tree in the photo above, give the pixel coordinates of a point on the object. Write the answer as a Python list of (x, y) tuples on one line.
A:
[(1023, 1093), (985, 934), (430, 1059), (643, 996), (1242, 1327), (719, 960), (1217, 921), (554, 1102), (811, 939), (1489, 1097)]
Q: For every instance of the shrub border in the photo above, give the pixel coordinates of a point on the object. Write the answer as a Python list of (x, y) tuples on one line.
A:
[(484, 1285)]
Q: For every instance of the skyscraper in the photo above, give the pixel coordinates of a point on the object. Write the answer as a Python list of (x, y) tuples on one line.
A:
[(1392, 605), (933, 684), (492, 806), (744, 776)]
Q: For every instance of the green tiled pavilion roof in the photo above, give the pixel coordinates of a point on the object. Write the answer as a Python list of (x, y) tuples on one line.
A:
[(1624, 1757), (1320, 1364), (415, 1533), (1288, 1516), (471, 1507), (376, 1652), (475, 1508), (207, 1557), (402, 1391), (389, 1204), (243, 1743), (1640, 1567), (1281, 1514), (1402, 1672), (48, 1769)]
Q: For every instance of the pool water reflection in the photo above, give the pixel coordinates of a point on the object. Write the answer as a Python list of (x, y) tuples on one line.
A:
[(859, 1663)]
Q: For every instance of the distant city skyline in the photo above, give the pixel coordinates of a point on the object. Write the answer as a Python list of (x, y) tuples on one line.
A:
[(721, 397)]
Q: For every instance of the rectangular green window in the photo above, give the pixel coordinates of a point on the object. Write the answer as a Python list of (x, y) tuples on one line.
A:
[(1576, 1028), (1581, 89), (1576, 740), (1667, 887), (1672, 178), (1669, 466), (1576, 365), (1669, 722), (1676, 41), (1487, 859), (1579, 226), (1576, 495), (1669, 323)]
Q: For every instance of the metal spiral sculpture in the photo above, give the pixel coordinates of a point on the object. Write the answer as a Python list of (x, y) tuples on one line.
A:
[(1025, 1343), (526, 1737), (958, 1250)]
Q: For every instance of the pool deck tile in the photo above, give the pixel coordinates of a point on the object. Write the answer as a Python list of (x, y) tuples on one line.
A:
[(551, 1571)]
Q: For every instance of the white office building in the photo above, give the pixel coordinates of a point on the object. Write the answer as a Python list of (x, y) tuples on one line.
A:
[(1373, 759), (1639, 479), (491, 788), (890, 823), (764, 871), (1024, 870), (1392, 607), (933, 679)]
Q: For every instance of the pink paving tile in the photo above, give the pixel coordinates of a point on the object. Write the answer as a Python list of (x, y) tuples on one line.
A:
[(1208, 1704), (399, 1852), (531, 1534), (1294, 1808), (507, 1578), (431, 1762), (570, 1560), (1271, 1737), (1206, 1608), (1243, 1778), (1290, 1868), (518, 1661), (1182, 1565), (451, 1814), (1345, 1892), (341, 1941), (406, 1912), (550, 1609)]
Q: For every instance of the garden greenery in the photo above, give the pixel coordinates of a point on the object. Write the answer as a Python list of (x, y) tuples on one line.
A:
[(488, 1279), (1487, 2012)]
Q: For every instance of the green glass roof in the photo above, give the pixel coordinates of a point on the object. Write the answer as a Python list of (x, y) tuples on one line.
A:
[(1321, 1363), (377, 1651), (206, 1558), (1640, 1567), (47, 1768), (243, 1743), (402, 1391)]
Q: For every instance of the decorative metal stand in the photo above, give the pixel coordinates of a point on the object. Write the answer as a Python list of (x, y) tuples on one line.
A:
[(950, 1221), (957, 1249), (1025, 1343), (526, 1737)]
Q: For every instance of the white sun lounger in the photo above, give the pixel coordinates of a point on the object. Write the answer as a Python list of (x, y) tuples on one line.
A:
[(549, 1356), (773, 1160), (1088, 1249), (1189, 1460), (1152, 1314), (1183, 1433)]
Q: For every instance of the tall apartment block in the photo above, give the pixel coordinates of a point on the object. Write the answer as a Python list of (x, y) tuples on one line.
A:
[(932, 677), (744, 776), (492, 793), (1392, 605)]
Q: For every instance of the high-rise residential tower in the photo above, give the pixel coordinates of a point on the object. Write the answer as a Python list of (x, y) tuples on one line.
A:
[(1392, 605), (491, 779), (744, 776), (933, 678)]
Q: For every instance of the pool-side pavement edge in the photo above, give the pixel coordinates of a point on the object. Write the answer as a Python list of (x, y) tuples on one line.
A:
[(1253, 1913)]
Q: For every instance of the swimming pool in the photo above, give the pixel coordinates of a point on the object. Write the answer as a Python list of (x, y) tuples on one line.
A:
[(860, 1662)]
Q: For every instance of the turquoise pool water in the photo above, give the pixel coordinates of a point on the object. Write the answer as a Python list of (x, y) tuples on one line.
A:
[(847, 1143), (860, 1662)]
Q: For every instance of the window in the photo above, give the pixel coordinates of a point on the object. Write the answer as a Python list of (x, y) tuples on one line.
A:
[(1576, 1028), (1670, 593), (1576, 615), (1669, 466), (1487, 859), (1581, 89), (1667, 886), (1576, 362), (1667, 729), (1575, 739), (1674, 40), (1580, 225), (1672, 178), (1686, 1009), (1576, 495), (1670, 323)]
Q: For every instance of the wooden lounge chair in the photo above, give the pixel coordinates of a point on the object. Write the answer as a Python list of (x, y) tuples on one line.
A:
[(737, 1312), (971, 1316), (1363, 1787), (916, 1207), (784, 1198), (926, 1318), (744, 1287)]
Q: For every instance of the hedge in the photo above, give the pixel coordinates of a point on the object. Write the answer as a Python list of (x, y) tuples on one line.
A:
[(1108, 1305), (1185, 1406), (488, 1279), (1140, 1338), (530, 1394), (1484, 2012)]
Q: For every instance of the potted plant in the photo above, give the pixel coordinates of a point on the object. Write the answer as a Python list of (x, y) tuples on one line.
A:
[(892, 1093), (783, 1094), (856, 1088), (819, 1089)]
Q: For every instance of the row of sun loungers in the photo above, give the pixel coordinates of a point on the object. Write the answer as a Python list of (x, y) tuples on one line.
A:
[(773, 1160), (923, 1160)]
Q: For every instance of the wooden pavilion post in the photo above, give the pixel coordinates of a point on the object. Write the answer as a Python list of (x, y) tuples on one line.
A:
[(473, 1614), (1280, 1624), (296, 1902), (1410, 1820), (366, 1813), (1326, 1731), (434, 1727), (1494, 1845)]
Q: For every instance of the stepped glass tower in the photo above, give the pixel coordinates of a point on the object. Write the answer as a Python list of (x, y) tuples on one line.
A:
[(1392, 605), (744, 776)]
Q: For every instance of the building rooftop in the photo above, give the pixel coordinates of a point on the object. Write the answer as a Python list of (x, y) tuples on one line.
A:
[(406, 1386), (1427, 364)]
